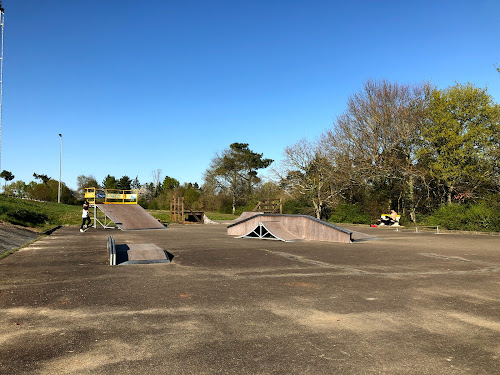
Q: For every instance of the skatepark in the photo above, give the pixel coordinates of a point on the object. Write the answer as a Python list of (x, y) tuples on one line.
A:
[(407, 303)]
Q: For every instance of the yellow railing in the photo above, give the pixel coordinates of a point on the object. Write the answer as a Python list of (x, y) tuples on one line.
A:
[(111, 196)]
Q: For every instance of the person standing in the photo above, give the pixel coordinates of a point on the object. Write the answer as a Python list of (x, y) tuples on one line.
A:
[(85, 216)]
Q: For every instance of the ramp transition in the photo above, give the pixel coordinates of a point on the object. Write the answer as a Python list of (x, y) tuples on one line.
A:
[(292, 228), (130, 216)]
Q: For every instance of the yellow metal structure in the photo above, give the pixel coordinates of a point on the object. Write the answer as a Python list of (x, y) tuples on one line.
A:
[(111, 196)]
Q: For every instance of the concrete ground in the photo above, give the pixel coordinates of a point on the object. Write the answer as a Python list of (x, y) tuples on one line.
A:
[(404, 304)]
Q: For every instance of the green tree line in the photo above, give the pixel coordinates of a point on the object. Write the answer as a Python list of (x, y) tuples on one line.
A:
[(415, 148)]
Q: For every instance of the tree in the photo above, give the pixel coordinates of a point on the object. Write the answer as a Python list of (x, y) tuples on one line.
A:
[(48, 192), (42, 177), (306, 171), (156, 181), (461, 138), (7, 176), (236, 171), (17, 188), (373, 143), (109, 182), (84, 182), (170, 183), (124, 183), (135, 183)]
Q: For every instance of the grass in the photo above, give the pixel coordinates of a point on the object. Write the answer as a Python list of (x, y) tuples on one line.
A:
[(39, 215)]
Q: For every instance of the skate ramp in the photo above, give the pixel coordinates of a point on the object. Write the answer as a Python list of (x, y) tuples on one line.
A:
[(130, 216), (293, 227)]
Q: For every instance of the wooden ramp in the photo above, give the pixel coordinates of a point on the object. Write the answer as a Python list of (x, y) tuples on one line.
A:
[(291, 228), (130, 216)]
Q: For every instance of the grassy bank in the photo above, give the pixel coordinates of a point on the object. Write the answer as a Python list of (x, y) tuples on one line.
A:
[(39, 215)]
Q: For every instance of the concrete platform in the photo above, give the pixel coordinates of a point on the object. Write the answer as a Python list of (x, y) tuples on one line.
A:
[(409, 303)]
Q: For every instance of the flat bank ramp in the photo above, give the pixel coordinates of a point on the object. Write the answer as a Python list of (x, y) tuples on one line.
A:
[(130, 216)]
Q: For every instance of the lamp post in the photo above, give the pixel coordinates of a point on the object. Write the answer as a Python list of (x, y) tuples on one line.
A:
[(60, 162)]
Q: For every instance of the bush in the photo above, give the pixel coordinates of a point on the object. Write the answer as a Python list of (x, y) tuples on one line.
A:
[(349, 213), (26, 217), (297, 207), (479, 217)]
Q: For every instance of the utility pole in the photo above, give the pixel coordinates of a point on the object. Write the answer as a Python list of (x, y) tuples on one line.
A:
[(2, 17), (60, 163)]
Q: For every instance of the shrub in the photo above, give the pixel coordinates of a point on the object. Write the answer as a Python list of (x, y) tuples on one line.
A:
[(349, 213), (475, 217)]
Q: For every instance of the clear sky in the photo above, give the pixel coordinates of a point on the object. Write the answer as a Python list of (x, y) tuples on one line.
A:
[(136, 86)]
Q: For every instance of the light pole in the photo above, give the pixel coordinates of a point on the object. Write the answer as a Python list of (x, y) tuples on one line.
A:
[(2, 18), (60, 162)]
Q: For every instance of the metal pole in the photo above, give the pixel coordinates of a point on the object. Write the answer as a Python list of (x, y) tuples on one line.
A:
[(2, 18), (60, 162)]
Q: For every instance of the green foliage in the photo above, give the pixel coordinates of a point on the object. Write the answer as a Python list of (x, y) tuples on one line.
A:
[(459, 138), (235, 172), (109, 182), (349, 213), (297, 207), (42, 215), (7, 176), (170, 183), (42, 177), (124, 183), (84, 182), (49, 191), (17, 188), (474, 217)]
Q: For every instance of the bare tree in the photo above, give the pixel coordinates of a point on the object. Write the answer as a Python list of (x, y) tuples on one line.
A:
[(306, 171), (373, 143), (156, 181)]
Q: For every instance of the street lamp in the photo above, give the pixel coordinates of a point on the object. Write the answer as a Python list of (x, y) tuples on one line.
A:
[(60, 162)]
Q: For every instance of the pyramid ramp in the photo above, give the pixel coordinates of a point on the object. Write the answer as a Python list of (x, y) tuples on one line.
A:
[(272, 230), (130, 216), (302, 226)]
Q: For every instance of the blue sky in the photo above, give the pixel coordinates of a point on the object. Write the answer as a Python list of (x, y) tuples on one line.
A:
[(136, 86)]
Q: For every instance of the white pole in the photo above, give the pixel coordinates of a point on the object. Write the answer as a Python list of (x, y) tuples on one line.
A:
[(60, 162), (2, 19)]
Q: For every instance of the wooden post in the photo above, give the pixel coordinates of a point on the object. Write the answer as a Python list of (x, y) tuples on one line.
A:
[(183, 218)]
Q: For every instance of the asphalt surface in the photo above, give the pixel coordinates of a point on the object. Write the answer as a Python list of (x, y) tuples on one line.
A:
[(408, 303)]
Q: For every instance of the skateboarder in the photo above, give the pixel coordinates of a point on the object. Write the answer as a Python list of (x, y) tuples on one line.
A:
[(85, 216)]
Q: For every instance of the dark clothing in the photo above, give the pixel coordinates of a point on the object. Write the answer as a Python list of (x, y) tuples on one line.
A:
[(84, 220)]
